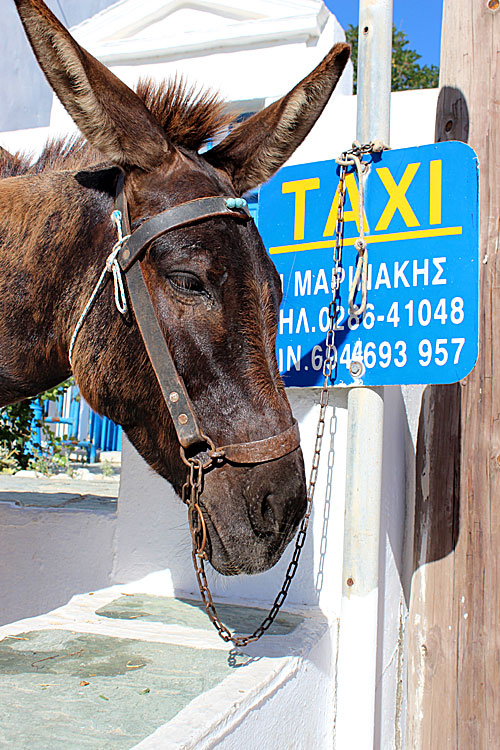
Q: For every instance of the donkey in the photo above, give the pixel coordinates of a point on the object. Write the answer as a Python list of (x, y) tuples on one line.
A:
[(214, 290)]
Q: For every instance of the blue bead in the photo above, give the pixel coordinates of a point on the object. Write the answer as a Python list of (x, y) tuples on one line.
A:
[(231, 202)]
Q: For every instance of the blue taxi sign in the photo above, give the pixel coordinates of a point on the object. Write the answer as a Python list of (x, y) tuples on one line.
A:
[(421, 223)]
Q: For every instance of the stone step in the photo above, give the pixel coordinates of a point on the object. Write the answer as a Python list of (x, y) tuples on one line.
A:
[(95, 492), (124, 667)]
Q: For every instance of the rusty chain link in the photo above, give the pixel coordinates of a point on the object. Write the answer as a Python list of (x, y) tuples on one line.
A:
[(193, 488)]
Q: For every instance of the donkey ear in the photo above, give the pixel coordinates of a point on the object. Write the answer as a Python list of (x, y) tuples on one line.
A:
[(109, 114), (257, 148)]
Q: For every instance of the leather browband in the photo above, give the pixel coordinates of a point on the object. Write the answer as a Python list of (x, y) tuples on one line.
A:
[(178, 216), (173, 389)]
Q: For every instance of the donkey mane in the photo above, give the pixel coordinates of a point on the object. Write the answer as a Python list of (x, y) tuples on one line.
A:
[(188, 116)]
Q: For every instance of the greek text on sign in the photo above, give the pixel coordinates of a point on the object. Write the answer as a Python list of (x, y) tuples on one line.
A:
[(421, 223)]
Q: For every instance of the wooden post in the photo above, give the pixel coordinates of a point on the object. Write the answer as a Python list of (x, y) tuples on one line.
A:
[(454, 644)]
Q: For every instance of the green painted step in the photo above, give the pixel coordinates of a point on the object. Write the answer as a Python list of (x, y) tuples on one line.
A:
[(64, 690), (133, 688), (191, 613)]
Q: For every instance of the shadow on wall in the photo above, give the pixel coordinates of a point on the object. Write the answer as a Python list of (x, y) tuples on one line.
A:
[(437, 471), (452, 116), (26, 96)]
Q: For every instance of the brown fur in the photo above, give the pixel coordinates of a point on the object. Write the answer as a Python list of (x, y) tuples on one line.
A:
[(188, 117), (260, 328), (12, 165)]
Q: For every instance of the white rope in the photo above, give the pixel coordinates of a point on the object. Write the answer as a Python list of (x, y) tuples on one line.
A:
[(112, 266)]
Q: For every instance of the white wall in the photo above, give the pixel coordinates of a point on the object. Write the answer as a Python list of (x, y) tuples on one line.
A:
[(25, 94), (412, 124), (152, 535), (48, 555), (255, 71), (263, 73), (151, 529)]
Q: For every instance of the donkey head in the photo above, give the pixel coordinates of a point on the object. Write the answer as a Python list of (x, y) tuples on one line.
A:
[(214, 289)]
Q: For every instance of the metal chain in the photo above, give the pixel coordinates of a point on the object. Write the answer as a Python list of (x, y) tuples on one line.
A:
[(194, 484)]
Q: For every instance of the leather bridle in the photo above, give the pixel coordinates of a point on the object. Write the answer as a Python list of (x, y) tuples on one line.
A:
[(172, 386)]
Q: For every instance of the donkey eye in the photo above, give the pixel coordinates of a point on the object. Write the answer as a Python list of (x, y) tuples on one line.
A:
[(186, 282)]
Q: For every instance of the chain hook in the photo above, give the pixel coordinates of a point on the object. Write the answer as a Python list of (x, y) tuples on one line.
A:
[(354, 157)]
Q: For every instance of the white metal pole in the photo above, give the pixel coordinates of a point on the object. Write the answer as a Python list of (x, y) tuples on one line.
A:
[(374, 70), (357, 659)]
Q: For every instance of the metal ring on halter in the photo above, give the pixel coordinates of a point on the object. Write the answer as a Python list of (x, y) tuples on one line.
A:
[(200, 528), (208, 462)]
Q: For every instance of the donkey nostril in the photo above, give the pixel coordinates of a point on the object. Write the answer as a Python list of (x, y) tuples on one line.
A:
[(274, 504), (267, 511)]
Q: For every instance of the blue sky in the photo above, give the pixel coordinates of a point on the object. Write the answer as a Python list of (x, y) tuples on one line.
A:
[(420, 20)]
